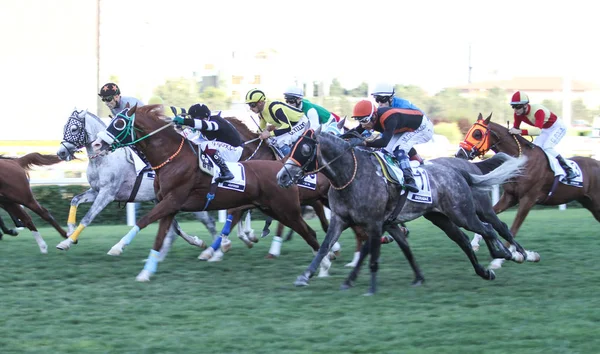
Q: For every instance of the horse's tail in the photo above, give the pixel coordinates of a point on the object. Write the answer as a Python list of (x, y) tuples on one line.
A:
[(37, 159), (511, 167), (492, 163)]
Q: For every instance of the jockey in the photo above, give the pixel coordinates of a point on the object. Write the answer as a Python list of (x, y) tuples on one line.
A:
[(400, 128), (111, 96), (294, 96), (223, 141), (384, 96), (286, 123), (552, 128)]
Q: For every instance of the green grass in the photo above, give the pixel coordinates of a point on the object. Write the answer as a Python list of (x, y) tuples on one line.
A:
[(86, 301)]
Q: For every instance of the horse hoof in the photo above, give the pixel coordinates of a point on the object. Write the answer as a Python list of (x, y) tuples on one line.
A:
[(417, 282), (270, 256), (245, 240), (144, 276), (350, 265), (323, 273), (206, 254), (116, 250), (44, 249), (217, 257), (265, 233), (491, 275), (226, 245), (65, 245), (12, 232), (332, 256), (532, 256), (198, 242), (496, 263), (345, 286), (475, 247), (301, 281), (517, 257)]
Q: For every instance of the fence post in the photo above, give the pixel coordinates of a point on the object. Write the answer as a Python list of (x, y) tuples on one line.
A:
[(131, 214)]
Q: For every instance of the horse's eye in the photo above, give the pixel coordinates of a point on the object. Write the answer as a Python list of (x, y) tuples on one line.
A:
[(306, 150), (74, 128), (119, 124), (477, 134)]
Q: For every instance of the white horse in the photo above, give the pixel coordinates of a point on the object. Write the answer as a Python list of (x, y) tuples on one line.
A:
[(112, 177)]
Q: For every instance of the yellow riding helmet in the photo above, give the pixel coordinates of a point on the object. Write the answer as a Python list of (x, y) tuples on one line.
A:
[(255, 95)]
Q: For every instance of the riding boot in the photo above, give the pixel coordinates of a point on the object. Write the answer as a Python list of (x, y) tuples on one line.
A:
[(225, 175), (409, 180), (568, 170)]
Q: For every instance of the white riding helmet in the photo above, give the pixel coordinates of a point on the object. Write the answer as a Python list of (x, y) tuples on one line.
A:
[(294, 91), (383, 89)]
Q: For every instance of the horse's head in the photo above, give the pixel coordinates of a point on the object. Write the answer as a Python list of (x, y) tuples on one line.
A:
[(119, 133), (75, 136), (312, 149), (303, 158), (477, 141)]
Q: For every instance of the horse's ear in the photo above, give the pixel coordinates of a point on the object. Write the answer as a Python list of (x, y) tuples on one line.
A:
[(318, 131), (488, 119), (479, 117), (341, 123), (131, 112)]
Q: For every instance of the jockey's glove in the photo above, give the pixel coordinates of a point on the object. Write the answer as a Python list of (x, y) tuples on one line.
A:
[(515, 131), (184, 121)]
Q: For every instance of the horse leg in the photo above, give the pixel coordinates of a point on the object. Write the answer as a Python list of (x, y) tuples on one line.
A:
[(248, 231), (319, 209), (275, 249), (336, 226), (375, 250), (361, 237), (592, 206), (459, 237), (17, 211), (349, 282), (506, 201), (174, 231), (400, 238), (209, 222), (86, 197), (37, 208), (152, 261), (266, 231), (487, 215), (6, 230)]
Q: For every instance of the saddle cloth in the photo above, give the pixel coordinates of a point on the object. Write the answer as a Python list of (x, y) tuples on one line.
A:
[(559, 171), (393, 174)]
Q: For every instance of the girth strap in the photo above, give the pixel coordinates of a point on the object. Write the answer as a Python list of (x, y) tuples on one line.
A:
[(397, 209)]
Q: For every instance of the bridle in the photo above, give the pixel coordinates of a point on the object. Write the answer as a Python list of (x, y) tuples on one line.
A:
[(313, 159), (479, 147)]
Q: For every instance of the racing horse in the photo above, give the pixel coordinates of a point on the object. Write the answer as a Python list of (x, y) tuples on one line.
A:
[(256, 149), (15, 191), (539, 184), (12, 232), (112, 177), (360, 196), (181, 186)]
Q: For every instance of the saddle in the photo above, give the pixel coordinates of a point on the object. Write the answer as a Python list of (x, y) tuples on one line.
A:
[(389, 166)]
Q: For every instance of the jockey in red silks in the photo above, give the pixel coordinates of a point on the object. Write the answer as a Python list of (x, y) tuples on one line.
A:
[(552, 128)]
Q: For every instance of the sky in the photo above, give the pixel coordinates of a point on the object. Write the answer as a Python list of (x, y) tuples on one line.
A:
[(47, 63)]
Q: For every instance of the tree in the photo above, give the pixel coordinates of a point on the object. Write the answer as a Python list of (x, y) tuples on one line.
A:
[(179, 92), (215, 99), (361, 91), (336, 89)]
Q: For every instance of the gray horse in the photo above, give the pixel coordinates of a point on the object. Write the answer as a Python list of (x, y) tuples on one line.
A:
[(361, 196), (112, 178)]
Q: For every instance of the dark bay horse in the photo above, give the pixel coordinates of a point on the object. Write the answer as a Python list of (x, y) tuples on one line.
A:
[(362, 196), (181, 186), (15, 191), (538, 184)]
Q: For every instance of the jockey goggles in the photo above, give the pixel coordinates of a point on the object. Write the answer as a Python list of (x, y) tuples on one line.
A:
[(364, 120), (108, 98)]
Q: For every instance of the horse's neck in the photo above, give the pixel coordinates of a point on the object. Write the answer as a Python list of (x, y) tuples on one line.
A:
[(339, 168), (92, 128)]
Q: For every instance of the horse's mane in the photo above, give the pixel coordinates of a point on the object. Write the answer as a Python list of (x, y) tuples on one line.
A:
[(241, 127), (498, 128), (91, 115), (6, 157)]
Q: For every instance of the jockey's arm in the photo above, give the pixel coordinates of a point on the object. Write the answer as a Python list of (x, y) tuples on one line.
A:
[(200, 124), (517, 124), (540, 118), (385, 138)]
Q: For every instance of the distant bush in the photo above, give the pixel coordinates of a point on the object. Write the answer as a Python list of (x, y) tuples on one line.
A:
[(450, 131)]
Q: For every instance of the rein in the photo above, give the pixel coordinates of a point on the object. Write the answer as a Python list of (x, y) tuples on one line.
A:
[(351, 148)]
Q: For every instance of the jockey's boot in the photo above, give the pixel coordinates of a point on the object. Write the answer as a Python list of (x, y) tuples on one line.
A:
[(568, 170), (409, 180), (225, 175)]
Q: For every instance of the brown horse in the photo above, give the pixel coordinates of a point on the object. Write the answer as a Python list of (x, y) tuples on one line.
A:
[(538, 184), (15, 191), (181, 186), (256, 149)]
